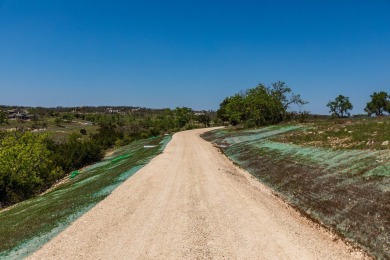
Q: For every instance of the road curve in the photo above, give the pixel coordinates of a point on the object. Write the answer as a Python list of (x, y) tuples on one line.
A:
[(191, 202)]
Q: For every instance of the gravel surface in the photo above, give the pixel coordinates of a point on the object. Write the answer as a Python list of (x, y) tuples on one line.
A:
[(191, 202)]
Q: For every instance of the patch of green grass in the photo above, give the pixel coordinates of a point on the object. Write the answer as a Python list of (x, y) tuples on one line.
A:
[(27, 225), (366, 133)]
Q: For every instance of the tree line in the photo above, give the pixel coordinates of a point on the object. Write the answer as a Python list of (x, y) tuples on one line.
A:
[(264, 105)]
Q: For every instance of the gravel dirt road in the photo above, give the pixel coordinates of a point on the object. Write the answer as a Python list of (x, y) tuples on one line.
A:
[(191, 202)]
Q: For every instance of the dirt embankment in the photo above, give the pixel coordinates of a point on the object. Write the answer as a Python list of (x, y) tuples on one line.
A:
[(191, 202), (345, 190)]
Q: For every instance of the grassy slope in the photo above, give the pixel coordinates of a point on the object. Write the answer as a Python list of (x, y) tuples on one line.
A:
[(27, 225), (343, 188), (362, 134)]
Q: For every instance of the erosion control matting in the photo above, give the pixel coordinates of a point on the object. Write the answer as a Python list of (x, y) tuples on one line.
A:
[(28, 225), (345, 190)]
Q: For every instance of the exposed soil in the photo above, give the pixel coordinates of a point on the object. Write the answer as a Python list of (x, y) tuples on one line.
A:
[(109, 153), (343, 198), (191, 202)]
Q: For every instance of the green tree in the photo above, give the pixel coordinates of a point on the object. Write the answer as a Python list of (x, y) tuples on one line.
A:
[(282, 92), (25, 167), (259, 106), (183, 115), (221, 112), (3, 118), (236, 110), (83, 131), (58, 121), (204, 119), (107, 134), (263, 106), (35, 119), (340, 106), (380, 102), (68, 117)]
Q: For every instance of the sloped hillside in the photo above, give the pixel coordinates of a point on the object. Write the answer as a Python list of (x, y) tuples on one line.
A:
[(346, 188)]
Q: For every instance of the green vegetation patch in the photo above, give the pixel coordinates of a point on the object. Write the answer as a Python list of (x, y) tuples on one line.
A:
[(357, 133), (345, 189), (28, 225)]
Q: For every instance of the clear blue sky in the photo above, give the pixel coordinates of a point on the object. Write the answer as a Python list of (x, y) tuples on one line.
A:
[(190, 53)]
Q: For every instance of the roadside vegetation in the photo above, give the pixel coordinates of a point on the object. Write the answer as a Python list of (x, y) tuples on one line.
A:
[(40, 146), (28, 225)]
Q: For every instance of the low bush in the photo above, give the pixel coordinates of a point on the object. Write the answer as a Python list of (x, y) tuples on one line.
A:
[(26, 167)]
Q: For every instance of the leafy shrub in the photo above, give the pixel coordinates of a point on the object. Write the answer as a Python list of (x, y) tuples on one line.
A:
[(83, 131), (75, 153), (25, 167)]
